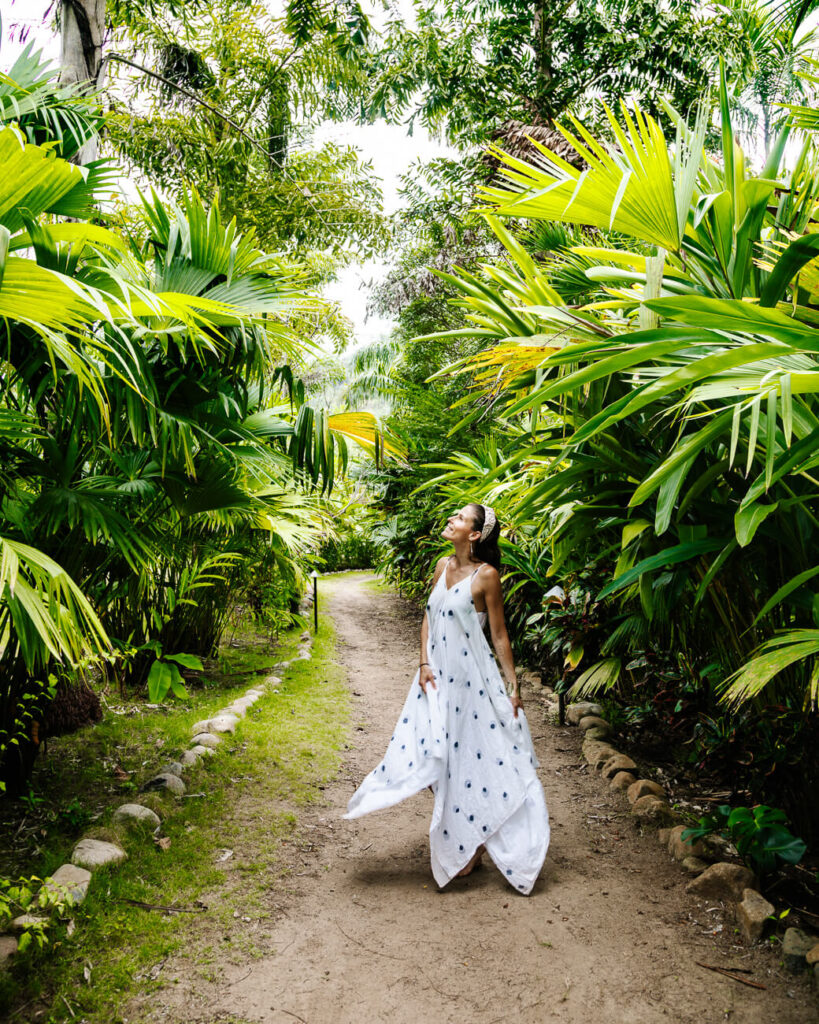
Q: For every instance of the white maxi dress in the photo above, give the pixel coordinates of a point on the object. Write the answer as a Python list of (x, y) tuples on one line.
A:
[(464, 741)]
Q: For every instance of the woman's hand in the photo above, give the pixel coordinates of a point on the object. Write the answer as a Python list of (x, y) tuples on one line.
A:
[(517, 703), (427, 678)]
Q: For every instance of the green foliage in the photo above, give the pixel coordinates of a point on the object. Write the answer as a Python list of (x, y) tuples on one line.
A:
[(224, 119), (652, 439), (27, 896), (165, 678), (471, 67), (759, 833), (151, 427), (285, 752)]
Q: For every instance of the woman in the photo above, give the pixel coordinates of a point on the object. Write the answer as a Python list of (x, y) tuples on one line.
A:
[(459, 733)]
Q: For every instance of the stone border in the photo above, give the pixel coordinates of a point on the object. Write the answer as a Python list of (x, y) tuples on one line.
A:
[(716, 879), (70, 881)]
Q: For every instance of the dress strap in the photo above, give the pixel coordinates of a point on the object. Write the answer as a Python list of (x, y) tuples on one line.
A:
[(475, 573)]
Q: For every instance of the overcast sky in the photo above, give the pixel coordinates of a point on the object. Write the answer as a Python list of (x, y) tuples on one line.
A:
[(389, 148)]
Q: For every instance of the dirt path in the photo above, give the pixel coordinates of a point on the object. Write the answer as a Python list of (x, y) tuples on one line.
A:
[(607, 937)]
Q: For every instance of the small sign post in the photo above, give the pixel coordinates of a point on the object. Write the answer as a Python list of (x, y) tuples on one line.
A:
[(314, 577)]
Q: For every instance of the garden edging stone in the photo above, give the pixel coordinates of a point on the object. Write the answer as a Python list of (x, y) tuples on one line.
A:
[(69, 882), (206, 739), (722, 881), (136, 814), (752, 914), (92, 854), (796, 945)]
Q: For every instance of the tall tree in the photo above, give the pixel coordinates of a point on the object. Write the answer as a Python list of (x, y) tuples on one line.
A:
[(471, 66)]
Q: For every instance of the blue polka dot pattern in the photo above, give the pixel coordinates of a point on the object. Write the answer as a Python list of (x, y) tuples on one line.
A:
[(451, 742)]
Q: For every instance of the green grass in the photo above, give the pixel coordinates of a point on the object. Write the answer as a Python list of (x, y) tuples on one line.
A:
[(286, 748)]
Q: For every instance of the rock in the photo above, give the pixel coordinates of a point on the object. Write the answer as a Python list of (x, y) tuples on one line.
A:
[(283, 665), (593, 722), (722, 881), (679, 849), (24, 921), (753, 914), (165, 780), (305, 635), (136, 814), (694, 865), (597, 753), (223, 723), (622, 781), (253, 694), (68, 882), (663, 835), (617, 763), (190, 759), (202, 751), (796, 945), (237, 708), (206, 739), (94, 853), (273, 681), (574, 712), (651, 810), (813, 955), (597, 733), (174, 768), (644, 788), (8, 947)]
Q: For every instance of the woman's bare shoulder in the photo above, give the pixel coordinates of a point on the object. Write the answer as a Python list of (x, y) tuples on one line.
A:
[(489, 572), (487, 579)]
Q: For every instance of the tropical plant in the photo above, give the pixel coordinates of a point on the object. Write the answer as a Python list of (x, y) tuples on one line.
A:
[(151, 427), (228, 104), (658, 430), (760, 834)]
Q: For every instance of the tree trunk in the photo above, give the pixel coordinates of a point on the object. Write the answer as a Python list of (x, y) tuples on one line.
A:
[(83, 30), (542, 44)]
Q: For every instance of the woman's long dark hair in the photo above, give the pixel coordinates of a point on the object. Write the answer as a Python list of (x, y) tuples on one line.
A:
[(485, 550)]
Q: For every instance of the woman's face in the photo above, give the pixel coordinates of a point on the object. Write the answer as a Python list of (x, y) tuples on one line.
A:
[(460, 526)]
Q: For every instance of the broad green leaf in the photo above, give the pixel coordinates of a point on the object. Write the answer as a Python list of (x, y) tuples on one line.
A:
[(670, 556), (747, 521), (186, 660)]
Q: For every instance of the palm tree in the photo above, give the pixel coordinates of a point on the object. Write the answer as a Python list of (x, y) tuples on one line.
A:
[(671, 422), (146, 435)]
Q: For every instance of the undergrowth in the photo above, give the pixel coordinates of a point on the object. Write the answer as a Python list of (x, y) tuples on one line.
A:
[(226, 861)]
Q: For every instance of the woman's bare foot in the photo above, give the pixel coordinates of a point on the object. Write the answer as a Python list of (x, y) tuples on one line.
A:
[(474, 863)]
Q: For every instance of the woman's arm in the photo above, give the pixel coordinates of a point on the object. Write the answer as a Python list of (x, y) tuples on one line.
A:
[(490, 589), (427, 676)]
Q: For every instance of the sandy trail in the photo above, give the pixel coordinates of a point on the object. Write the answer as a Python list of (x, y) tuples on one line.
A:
[(608, 935)]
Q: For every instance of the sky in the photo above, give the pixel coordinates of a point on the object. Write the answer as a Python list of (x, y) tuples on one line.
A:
[(388, 147)]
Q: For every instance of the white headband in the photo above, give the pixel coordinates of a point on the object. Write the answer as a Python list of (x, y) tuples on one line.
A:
[(488, 521)]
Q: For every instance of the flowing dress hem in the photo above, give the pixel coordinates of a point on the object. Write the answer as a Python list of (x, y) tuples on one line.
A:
[(521, 881)]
